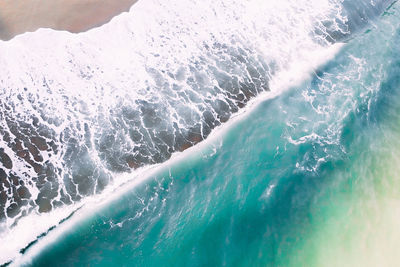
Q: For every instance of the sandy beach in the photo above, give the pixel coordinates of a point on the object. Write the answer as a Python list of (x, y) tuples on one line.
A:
[(17, 16)]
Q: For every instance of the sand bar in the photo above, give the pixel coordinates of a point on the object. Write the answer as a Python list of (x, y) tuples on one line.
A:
[(19, 16)]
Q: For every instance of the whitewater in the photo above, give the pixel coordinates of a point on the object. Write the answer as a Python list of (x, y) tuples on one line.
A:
[(84, 116)]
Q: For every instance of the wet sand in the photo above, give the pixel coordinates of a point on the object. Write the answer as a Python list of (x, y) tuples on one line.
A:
[(19, 16)]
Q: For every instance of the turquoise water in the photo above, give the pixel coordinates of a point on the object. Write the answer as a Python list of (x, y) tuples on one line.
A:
[(308, 178)]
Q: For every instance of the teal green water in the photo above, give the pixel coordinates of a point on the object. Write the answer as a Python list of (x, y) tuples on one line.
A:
[(309, 178)]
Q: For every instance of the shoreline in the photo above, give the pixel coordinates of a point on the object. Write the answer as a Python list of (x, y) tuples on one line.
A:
[(18, 17)]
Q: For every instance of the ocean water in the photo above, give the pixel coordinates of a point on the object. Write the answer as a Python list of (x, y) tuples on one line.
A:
[(288, 113)]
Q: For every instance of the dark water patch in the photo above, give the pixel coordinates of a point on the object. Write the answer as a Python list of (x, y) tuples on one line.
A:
[(42, 235), (5, 159)]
